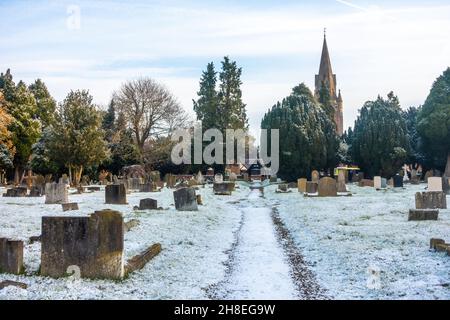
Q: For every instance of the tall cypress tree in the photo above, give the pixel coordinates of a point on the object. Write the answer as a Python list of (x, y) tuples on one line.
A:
[(206, 105), (232, 109), (46, 105)]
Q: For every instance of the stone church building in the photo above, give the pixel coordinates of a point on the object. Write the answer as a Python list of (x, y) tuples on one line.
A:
[(327, 78)]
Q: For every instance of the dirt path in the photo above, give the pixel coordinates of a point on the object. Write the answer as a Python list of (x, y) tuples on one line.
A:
[(262, 265)]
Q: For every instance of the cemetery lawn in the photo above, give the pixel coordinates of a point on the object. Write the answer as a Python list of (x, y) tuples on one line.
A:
[(222, 250)]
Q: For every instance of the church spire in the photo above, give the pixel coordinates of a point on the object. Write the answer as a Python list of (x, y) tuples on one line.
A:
[(325, 70)]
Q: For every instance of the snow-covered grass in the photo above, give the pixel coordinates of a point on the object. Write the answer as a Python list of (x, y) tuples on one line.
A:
[(193, 255), (342, 237)]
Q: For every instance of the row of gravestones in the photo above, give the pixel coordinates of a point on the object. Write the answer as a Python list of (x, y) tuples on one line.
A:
[(324, 187), (382, 183)]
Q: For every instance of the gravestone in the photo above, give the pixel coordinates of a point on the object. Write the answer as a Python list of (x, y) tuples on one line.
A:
[(115, 194), (70, 206), (391, 182), (423, 214), (414, 177), (93, 243), (383, 183), (56, 193), (185, 199), (171, 180), (283, 187), (341, 187), (218, 178), (35, 191), (429, 174), (315, 176), (311, 187), (377, 182), (431, 200), (398, 181), (11, 256), (148, 204), (223, 188), (365, 183), (273, 179), (134, 183), (16, 192), (148, 187), (199, 178), (435, 184), (301, 185), (327, 187)]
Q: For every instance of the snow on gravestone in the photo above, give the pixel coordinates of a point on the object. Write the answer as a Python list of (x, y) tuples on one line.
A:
[(56, 193), (377, 182), (327, 187), (93, 243), (115, 194), (341, 187), (185, 199), (435, 184)]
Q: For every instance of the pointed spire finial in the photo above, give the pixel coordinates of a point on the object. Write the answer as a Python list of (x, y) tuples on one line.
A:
[(324, 32)]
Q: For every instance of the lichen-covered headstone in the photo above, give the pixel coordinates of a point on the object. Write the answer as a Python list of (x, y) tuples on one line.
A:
[(431, 200), (94, 244)]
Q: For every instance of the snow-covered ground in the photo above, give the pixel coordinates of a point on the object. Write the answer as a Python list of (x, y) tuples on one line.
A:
[(340, 238), (343, 238)]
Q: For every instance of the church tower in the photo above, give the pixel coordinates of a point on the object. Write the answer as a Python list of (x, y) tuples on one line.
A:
[(328, 79)]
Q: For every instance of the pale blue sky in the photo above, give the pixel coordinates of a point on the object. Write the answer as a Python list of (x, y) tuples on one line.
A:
[(375, 46)]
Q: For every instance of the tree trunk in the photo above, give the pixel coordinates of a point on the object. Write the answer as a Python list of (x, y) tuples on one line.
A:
[(447, 168), (70, 175), (16, 175)]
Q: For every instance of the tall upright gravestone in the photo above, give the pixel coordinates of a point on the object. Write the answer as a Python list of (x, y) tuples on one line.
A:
[(315, 176), (301, 185), (327, 187), (56, 193), (115, 194), (94, 244), (341, 187), (185, 199), (11, 256)]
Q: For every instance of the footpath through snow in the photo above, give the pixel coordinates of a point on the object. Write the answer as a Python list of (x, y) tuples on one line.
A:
[(259, 268)]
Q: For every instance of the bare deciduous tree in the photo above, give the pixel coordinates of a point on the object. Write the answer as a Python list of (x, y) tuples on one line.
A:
[(150, 110)]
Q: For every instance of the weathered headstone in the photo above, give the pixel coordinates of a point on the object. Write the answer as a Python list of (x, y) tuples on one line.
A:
[(185, 199), (377, 182), (431, 200), (434, 242), (134, 183), (283, 187), (341, 186), (398, 181), (315, 176), (383, 183), (35, 191), (311, 187), (148, 204), (414, 177), (423, 214), (301, 185), (56, 193), (365, 183), (94, 244), (429, 174), (69, 206), (223, 188), (11, 256), (327, 187), (435, 184), (148, 187), (16, 192), (115, 194)]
